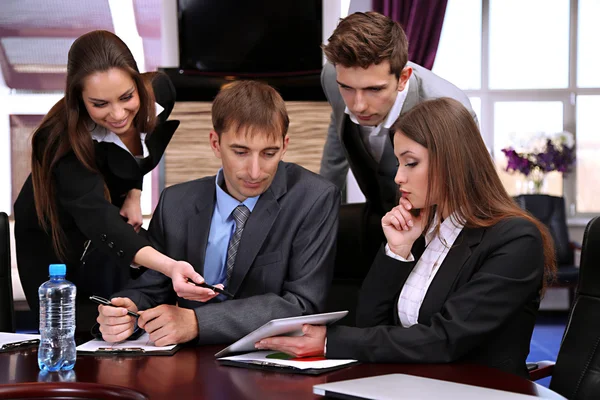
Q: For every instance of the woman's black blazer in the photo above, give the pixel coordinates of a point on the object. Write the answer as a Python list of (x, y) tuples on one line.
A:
[(480, 306), (84, 213)]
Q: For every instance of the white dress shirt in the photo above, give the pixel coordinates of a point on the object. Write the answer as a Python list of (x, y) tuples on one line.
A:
[(374, 137), (417, 284)]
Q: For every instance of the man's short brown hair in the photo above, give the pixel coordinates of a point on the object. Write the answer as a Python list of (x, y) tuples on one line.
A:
[(364, 39), (252, 106)]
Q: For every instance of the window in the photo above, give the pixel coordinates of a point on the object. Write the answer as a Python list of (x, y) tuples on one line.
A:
[(525, 51), (462, 25), (533, 75)]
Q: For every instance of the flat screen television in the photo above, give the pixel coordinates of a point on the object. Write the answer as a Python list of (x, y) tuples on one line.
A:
[(260, 37)]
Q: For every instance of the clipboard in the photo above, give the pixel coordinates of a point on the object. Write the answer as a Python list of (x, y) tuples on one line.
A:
[(138, 347), (17, 341)]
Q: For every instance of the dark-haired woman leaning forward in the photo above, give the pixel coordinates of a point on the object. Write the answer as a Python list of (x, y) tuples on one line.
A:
[(81, 203)]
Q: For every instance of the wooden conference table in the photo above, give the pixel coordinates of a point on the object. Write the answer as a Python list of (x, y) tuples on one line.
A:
[(193, 373)]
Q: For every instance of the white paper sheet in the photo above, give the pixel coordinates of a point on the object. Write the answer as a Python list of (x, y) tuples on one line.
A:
[(143, 343), (260, 357), (9, 338)]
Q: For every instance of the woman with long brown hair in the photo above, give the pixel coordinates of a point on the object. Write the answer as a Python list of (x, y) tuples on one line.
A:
[(461, 275), (81, 204)]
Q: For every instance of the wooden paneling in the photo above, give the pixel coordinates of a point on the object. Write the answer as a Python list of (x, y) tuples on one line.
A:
[(21, 129), (189, 156)]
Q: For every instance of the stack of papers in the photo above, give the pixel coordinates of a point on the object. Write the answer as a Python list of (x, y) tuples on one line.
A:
[(140, 346), (10, 341), (272, 360)]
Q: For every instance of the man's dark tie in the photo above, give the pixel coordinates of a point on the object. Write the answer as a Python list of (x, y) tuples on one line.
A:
[(240, 214)]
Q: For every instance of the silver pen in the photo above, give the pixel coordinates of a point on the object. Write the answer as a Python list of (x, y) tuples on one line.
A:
[(85, 249)]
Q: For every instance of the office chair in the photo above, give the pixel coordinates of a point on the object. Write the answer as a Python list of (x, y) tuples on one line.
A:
[(352, 263), (7, 310), (576, 373), (68, 391), (550, 210)]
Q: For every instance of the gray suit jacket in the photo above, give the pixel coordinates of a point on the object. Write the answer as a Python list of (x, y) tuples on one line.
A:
[(284, 262), (423, 85)]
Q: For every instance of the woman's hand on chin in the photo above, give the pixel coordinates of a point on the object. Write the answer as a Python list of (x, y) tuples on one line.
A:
[(401, 228)]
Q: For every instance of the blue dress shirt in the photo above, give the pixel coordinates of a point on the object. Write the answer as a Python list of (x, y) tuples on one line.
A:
[(222, 226)]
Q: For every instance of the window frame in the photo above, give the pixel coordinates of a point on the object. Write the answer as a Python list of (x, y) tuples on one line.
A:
[(568, 96)]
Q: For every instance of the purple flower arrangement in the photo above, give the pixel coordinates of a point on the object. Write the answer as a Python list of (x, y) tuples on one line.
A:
[(556, 155)]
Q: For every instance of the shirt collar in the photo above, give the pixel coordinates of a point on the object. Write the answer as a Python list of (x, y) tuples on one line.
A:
[(104, 135), (448, 226), (159, 108), (226, 203), (392, 115)]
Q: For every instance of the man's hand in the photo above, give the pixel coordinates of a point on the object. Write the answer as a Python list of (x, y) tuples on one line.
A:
[(132, 209), (181, 271), (311, 344), (168, 324), (115, 324)]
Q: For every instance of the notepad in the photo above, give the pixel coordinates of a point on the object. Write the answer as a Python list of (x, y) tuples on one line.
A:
[(11, 341), (270, 360), (140, 346)]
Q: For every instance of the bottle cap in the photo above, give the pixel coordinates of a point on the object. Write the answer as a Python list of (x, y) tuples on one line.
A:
[(57, 269)]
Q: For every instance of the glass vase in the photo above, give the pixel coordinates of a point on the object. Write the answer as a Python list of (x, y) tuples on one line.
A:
[(536, 182)]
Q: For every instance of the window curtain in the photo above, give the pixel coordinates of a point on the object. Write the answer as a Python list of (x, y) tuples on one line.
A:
[(422, 21)]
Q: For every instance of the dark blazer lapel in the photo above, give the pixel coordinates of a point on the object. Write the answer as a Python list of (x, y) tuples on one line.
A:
[(158, 139), (120, 162), (164, 94), (198, 229), (157, 142), (449, 271), (258, 227)]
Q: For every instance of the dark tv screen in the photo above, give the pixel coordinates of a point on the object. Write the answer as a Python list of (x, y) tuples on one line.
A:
[(250, 36)]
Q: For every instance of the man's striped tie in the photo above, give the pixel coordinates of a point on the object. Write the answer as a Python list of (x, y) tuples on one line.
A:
[(240, 214)]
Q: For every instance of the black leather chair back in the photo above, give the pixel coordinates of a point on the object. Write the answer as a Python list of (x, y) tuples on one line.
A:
[(7, 311), (576, 374), (550, 210)]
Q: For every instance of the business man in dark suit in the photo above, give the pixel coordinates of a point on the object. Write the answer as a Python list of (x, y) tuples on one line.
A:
[(369, 83), (283, 261), (458, 281)]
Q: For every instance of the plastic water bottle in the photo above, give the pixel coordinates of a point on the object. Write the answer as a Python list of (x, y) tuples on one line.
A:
[(57, 321)]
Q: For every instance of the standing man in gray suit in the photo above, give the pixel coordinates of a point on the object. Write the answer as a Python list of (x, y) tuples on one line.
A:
[(369, 83), (262, 228)]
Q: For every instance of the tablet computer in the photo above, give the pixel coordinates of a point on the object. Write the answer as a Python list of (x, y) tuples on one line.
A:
[(280, 327)]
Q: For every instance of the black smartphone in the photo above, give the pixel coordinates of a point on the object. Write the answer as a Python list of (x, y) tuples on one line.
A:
[(106, 302), (216, 289)]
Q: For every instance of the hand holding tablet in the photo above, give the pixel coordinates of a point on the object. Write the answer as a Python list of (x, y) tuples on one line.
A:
[(278, 327)]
